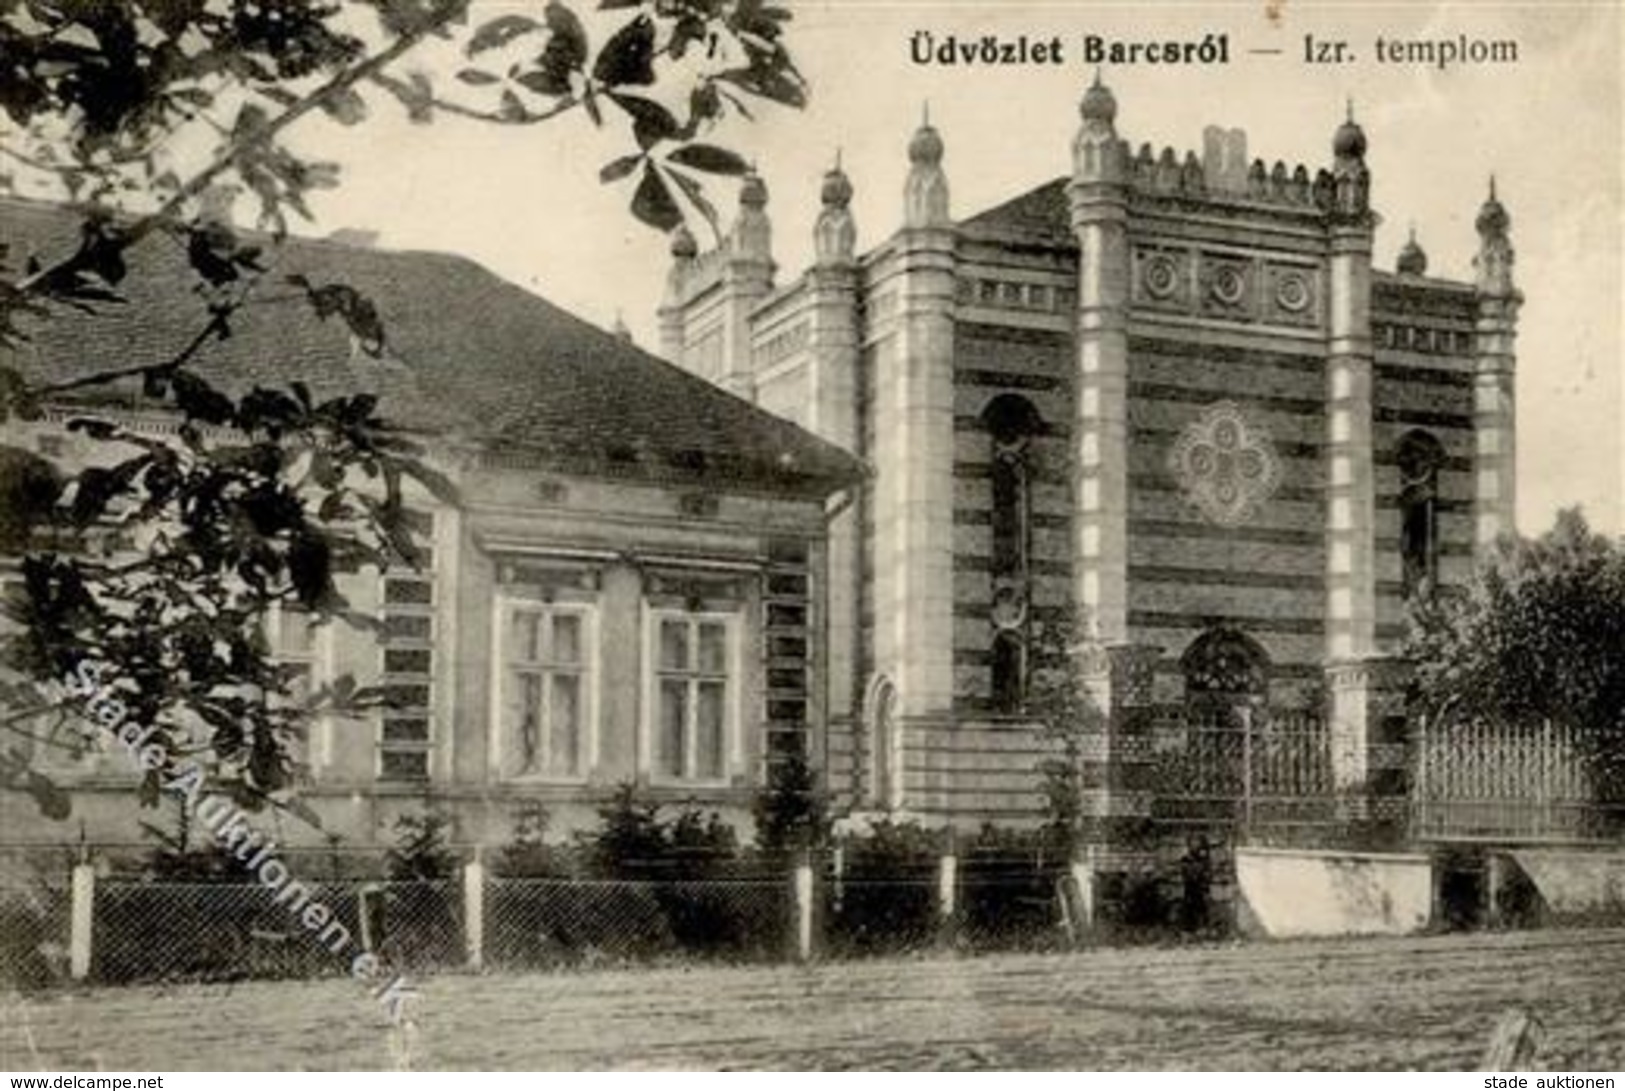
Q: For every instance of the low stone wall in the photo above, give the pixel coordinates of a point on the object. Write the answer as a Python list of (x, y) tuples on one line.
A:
[(1291, 892), (1573, 885)]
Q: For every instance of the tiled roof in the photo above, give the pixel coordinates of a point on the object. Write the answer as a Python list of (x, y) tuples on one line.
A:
[(468, 353), (1038, 215)]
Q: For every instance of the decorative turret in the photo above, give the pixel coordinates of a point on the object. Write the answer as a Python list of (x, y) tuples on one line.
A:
[(1097, 154), (1495, 254), (683, 252), (1495, 367), (835, 235), (1413, 260), (752, 235), (925, 196), (1351, 197)]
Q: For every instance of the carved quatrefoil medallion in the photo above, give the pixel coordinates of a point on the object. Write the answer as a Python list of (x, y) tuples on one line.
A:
[(1225, 464)]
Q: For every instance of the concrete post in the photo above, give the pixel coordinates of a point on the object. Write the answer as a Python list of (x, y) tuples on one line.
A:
[(947, 884), (802, 902), (82, 921), (474, 912)]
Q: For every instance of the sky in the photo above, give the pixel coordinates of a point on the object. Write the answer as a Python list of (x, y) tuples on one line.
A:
[(528, 204)]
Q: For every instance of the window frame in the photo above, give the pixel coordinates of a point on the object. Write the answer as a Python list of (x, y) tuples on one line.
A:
[(387, 610), (318, 661), (507, 606), (732, 758)]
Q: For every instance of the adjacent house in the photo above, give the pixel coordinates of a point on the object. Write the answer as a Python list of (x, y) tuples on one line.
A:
[(631, 589)]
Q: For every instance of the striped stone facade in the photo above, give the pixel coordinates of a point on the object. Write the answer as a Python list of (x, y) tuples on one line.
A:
[(1166, 395)]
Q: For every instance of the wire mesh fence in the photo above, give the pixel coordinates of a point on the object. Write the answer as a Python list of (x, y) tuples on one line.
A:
[(34, 925), (540, 923)]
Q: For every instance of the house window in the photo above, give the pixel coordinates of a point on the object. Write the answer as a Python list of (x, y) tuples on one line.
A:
[(293, 646), (548, 725), (693, 692), (1420, 456), (298, 646)]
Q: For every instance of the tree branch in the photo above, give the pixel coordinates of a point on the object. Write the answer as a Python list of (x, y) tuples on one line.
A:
[(229, 157)]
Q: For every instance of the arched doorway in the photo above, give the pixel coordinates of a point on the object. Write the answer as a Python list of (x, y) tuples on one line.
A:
[(1226, 694), (885, 748)]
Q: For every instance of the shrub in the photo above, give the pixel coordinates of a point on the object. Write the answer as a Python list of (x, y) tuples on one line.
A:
[(1008, 887), (888, 891)]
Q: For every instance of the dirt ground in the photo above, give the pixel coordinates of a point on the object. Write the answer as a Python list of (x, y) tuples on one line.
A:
[(1426, 1003)]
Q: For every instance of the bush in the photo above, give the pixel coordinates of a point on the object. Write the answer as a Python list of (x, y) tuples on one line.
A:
[(422, 850), (888, 891), (639, 886), (1008, 888)]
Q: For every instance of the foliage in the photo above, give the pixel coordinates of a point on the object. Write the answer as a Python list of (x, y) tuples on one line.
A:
[(422, 848), (1008, 887), (888, 896), (792, 811), (1535, 637), (179, 857), (528, 855), (158, 559), (635, 842), (1060, 700)]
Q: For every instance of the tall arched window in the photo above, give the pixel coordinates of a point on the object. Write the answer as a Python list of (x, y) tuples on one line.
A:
[(880, 719), (1012, 422), (1419, 457)]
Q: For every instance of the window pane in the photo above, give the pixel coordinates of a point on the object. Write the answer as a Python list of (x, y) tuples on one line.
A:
[(566, 638), (713, 647), (297, 685), (408, 591), (674, 645), (565, 724), (408, 627), (528, 737), (407, 729), (296, 635), (673, 721), (405, 765), (407, 660), (526, 637), (708, 727)]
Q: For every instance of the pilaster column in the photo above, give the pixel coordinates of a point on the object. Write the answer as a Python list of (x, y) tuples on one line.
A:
[(1098, 199), (1116, 753), (833, 351), (921, 520), (1350, 489)]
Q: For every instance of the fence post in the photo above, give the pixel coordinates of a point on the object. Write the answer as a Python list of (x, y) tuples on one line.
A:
[(82, 920), (474, 912), (802, 896), (947, 881)]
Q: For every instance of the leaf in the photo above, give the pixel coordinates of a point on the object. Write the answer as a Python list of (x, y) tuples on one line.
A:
[(628, 56), (346, 106), (357, 311), (617, 169), (566, 50), (499, 32), (711, 159), (691, 190), (200, 401), (310, 568), (775, 83), (511, 108), (476, 77), (653, 203), (651, 122), (416, 94)]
